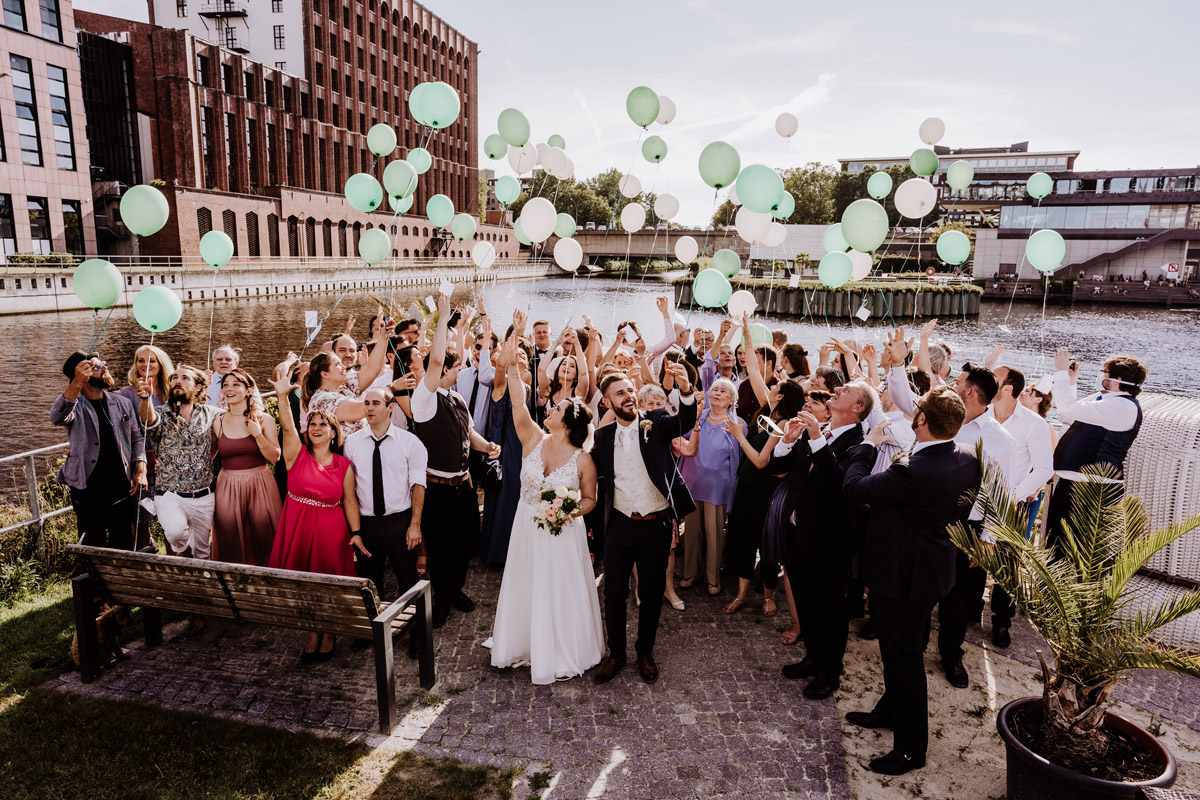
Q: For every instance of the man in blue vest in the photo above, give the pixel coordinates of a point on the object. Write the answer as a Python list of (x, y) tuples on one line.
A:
[(1103, 426)]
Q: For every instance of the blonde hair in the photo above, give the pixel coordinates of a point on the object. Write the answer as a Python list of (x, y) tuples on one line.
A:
[(651, 390), (162, 386)]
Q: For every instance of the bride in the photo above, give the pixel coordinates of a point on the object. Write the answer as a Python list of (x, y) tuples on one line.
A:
[(548, 614)]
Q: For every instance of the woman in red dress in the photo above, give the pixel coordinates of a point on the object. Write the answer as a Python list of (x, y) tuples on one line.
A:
[(318, 529)]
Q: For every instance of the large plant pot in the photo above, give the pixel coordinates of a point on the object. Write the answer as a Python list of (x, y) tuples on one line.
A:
[(1032, 777)]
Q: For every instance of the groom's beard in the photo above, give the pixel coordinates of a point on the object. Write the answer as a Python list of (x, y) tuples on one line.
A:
[(625, 413)]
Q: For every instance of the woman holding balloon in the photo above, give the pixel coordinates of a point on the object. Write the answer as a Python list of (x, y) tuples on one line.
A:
[(152, 364)]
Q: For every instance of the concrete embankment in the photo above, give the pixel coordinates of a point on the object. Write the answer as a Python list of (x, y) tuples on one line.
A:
[(883, 300)]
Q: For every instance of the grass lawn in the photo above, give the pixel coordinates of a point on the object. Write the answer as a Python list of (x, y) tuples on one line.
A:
[(57, 745)]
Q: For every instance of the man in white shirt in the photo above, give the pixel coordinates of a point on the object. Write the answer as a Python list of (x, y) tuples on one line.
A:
[(1032, 470), (445, 427), (475, 380), (224, 360)]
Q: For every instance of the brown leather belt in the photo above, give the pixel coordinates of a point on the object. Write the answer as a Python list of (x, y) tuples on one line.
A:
[(447, 481), (666, 512)]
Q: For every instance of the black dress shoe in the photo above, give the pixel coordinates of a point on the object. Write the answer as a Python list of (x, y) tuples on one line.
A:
[(647, 668), (804, 668), (821, 687), (464, 603), (309, 658), (868, 719), (956, 673), (867, 631), (361, 644), (608, 670), (440, 614), (1001, 637), (896, 763)]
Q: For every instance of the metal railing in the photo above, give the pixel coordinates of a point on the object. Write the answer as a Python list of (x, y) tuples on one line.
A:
[(130, 262), (33, 489)]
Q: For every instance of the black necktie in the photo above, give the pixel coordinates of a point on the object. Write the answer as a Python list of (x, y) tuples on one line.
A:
[(474, 390), (377, 502)]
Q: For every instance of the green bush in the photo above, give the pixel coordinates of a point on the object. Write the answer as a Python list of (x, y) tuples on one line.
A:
[(37, 259), (19, 579)]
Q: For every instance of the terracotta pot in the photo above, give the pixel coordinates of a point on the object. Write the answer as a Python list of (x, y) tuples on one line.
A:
[(1032, 777)]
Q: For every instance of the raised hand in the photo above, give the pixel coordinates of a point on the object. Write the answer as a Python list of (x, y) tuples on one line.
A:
[(404, 383), (1062, 359), (927, 329), (792, 430), (350, 324), (809, 423), (993, 357), (519, 320), (897, 349), (663, 306), (878, 435), (508, 352), (144, 389), (734, 429), (283, 387)]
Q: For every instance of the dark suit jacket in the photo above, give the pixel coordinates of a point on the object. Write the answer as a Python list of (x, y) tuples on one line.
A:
[(824, 522), (908, 554), (656, 454)]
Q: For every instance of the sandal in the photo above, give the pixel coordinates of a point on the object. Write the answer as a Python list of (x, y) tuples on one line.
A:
[(734, 605), (676, 604), (769, 608), (791, 635)]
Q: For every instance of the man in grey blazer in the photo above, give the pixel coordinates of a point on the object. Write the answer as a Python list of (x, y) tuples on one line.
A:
[(107, 463)]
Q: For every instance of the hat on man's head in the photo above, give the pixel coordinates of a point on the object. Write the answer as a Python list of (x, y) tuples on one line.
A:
[(73, 362)]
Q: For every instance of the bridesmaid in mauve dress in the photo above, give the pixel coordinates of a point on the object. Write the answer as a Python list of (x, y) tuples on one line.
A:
[(247, 501)]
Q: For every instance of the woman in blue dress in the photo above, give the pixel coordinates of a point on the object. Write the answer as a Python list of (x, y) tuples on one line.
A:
[(499, 506)]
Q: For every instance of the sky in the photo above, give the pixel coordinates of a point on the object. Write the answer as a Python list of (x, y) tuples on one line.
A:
[(1113, 80)]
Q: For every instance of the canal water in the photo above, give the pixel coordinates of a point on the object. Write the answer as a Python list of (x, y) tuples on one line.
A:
[(266, 329)]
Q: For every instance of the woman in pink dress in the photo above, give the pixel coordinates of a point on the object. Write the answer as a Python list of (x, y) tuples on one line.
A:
[(318, 530)]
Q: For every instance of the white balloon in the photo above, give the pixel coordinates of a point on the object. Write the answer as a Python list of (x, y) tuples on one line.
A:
[(568, 254), (862, 264), (633, 217), (483, 255), (538, 218), (555, 161), (733, 198), (932, 130), (631, 187), (666, 110), (786, 125), (751, 225), (542, 147), (686, 249), (523, 159), (666, 206), (775, 235), (569, 171), (916, 198), (741, 303)]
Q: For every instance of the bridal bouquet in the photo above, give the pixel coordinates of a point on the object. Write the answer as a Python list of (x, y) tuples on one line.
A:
[(554, 512)]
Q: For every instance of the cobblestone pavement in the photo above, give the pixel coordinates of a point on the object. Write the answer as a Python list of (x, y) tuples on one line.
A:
[(720, 723)]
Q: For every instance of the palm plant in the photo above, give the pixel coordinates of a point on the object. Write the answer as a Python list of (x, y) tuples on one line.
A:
[(1077, 597)]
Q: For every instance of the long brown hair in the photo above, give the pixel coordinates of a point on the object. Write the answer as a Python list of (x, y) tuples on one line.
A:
[(253, 401), (319, 365)]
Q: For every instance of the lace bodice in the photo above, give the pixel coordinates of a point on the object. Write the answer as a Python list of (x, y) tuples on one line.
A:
[(532, 482)]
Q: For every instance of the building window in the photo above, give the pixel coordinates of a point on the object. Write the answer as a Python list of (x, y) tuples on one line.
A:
[(27, 120), (322, 156), (207, 145), (279, 40), (309, 182), (252, 233), (231, 38), (273, 235), (227, 77), (272, 163), (203, 221), (231, 147), (14, 14), (269, 92), (289, 153), (327, 237), (60, 113), (51, 21), (252, 152), (277, 6), (8, 234), (248, 85), (73, 227), (39, 224), (310, 237), (202, 70), (281, 65), (318, 38), (181, 8), (229, 223)]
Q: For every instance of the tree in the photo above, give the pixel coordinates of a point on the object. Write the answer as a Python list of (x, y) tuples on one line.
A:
[(723, 217), (811, 186), (568, 196), (607, 185)]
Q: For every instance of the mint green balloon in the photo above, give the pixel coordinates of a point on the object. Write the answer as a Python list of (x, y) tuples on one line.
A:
[(420, 159), (953, 247), (463, 227), (759, 188), (1046, 250), (835, 270), (399, 178), (864, 225), (97, 283), (414, 101), (144, 210), (642, 105), (157, 309), (787, 206), (557, 141), (654, 149), (520, 234), (507, 189), (437, 107), (719, 164), (440, 210), (374, 246), (923, 161), (363, 192), (727, 263), (760, 335), (960, 175), (494, 147), (216, 248), (1039, 185), (564, 227), (400, 204), (711, 289), (381, 140), (513, 127), (879, 185), (833, 241)]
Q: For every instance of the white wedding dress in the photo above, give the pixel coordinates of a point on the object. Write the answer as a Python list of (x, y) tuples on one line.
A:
[(548, 614)]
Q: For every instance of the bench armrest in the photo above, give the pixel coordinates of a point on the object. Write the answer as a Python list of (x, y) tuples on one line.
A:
[(393, 610)]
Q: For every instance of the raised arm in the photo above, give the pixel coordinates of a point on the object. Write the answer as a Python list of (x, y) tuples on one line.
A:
[(668, 339), (527, 430), (753, 368), (378, 357), (898, 387), (715, 351), (291, 438), (437, 350), (923, 362), (759, 458)]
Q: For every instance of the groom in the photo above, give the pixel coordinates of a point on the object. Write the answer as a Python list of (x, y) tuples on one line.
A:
[(642, 495)]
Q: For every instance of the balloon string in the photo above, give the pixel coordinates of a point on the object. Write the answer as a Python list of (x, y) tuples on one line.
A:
[(1017, 280), (96, 336), (211, 313), (137, 518), (321, 321)]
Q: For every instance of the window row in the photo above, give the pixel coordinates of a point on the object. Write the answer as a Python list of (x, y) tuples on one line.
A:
[(41, 234), (27, 115), (1099, 217), (46, 21)]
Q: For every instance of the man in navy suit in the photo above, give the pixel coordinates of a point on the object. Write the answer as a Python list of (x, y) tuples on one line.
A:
[(909, 561), (642, 497)]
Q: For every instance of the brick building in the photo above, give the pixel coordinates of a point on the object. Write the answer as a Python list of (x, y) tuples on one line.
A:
[(264, 154), (45, 185)]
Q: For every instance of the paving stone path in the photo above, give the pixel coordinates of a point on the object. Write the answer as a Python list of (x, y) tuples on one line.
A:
[(720, 723)]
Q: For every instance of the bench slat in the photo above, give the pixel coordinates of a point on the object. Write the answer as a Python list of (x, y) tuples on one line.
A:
[(235, 582), (211, 586)]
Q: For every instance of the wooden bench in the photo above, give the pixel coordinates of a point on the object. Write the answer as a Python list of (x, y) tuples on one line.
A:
[(281, 598)]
